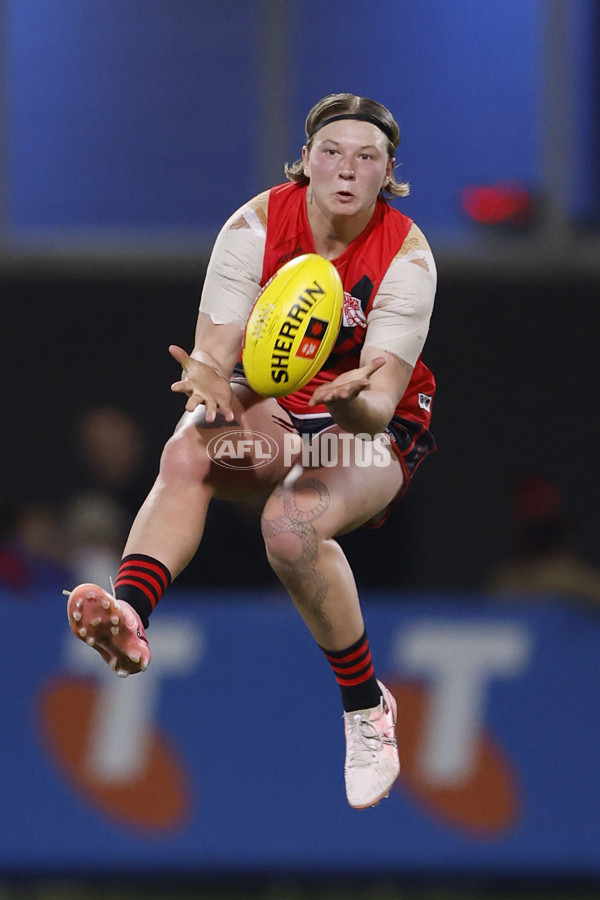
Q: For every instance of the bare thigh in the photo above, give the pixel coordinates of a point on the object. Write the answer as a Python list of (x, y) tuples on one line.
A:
[(246, 456), (337, 498)]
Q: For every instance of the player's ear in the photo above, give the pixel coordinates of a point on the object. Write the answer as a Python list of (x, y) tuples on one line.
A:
[(305, 160), (389, 171)]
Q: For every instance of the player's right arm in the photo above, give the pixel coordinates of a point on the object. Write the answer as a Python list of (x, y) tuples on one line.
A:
[(231, 286), (206, 372)]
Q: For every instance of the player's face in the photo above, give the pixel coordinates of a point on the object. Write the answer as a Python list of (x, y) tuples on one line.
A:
[(347, 165)]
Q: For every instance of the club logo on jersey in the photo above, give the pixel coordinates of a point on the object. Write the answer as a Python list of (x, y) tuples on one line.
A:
[(314, 334), (353, 314), (425, 402)]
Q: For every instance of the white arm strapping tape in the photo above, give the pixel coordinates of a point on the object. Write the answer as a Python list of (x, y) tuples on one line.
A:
[(399, 318), (398, 321), (232, 281)]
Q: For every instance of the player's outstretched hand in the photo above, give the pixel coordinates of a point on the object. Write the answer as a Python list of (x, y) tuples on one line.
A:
[(202, 384), (348, 385)]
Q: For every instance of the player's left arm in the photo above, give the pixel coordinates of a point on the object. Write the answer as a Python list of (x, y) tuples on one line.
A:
[(364, 399)]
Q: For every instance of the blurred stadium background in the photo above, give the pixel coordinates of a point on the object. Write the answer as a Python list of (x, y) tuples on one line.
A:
[(131, 130)]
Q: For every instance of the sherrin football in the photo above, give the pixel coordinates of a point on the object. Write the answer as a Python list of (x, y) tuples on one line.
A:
[(293, 326)]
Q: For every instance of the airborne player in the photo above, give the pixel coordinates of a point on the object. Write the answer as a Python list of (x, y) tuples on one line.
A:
[(374, 382)]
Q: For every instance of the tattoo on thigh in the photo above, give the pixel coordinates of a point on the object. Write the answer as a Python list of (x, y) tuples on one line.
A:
[(302, 576)]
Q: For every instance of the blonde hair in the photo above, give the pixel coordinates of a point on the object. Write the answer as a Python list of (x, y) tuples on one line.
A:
[(351, 104)]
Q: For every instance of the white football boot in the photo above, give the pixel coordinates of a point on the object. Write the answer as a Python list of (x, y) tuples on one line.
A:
[(372, 763)]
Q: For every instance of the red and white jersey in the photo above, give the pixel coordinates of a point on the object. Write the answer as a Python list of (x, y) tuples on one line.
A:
[(362, 266), (387, 298)]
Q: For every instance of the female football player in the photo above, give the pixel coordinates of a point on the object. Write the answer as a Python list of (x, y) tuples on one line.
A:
[(334, 203)]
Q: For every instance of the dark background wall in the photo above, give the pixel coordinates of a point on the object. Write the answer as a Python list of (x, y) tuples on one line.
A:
[(516, 364)]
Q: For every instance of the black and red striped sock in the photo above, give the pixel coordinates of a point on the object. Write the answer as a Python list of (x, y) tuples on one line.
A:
[(355, 675), (141, 582)]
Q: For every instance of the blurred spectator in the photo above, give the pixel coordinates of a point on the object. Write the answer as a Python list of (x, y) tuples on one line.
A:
[(545, 562), (94, 523), (110, 480), (32, 549), (111, 449)]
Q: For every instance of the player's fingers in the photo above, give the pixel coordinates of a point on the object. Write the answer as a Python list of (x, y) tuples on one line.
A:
[(373, 365), (323, 396), (181, 387), (193, 402), (226, 411), (180, 355), (211, 410), (343, 392), (318, 397)]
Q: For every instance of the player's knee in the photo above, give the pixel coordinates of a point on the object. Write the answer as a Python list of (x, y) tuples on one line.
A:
[(184, 458), (284, 549), (290, 543)]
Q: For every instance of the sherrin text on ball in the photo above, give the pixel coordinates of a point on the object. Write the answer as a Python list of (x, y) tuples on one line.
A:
[(293, 326)]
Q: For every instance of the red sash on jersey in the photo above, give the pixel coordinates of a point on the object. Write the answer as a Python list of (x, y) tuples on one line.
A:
[(362, 266)]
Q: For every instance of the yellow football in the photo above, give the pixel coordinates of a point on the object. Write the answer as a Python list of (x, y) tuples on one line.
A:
[(293, 326)]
